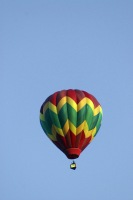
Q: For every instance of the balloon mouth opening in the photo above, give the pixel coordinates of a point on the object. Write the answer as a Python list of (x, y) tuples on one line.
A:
[(73, 153)]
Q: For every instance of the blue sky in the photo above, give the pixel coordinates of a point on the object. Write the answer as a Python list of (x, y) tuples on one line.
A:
[(47, 46)]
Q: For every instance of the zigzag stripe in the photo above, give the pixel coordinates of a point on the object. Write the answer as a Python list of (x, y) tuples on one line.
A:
[(75, 118), (88, 132), (70, 116), (97, 110), (69, 126), (63, 112), (42, 117), (50, 106), (85, 101), (59, 131), (70, 101)]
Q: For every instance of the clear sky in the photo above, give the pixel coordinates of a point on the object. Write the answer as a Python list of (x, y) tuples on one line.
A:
[(47, 46)]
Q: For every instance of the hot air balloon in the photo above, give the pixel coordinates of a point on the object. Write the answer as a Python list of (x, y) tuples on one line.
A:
[(71, 119)]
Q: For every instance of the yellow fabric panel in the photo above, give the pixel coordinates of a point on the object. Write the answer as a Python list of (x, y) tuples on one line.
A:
[(94, 131), (53, 130), (45, 107), (80, 128), (91, 132), (59, 131), (86, 128), (68, 100), (66, 127), (52, 137), (90, 103), (42, 117), (72, 128), (101, 111), (61, 103), (52, 107), (72, 103), (81, 104), (97, 110)]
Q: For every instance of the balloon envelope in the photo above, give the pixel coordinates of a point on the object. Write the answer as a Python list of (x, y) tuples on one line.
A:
[(71, 119)]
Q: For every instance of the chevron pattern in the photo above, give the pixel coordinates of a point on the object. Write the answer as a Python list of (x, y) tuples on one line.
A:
[(71, 118)]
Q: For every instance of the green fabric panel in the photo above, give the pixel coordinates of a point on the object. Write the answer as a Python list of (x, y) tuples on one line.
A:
[(54, 119), (94, 122), (89, 115), (63, 115), (46, 127), (98, 125), (97, 130), (68, 112), (47, 118), (72, 114), (81, 116)]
